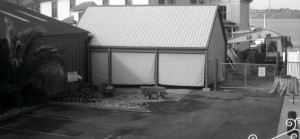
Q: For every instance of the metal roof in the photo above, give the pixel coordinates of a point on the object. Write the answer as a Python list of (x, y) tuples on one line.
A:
[(150, 26), (24, 18)]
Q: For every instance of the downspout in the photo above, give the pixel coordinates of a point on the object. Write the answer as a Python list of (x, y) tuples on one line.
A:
[(87, 60)]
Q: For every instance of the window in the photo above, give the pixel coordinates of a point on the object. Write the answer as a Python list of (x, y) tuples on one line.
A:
[(72, 3), (161, 1), (166, 1), (54, 9), (196, 1), (223, 12), (171, 1)]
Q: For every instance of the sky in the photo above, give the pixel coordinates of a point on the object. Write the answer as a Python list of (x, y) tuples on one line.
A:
[(276, 4)]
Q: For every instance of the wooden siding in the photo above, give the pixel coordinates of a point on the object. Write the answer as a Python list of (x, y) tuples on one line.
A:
[(216, 50)]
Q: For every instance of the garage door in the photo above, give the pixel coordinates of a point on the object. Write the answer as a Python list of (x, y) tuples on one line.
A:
[(99, 61), (132, 68), (181, 69)]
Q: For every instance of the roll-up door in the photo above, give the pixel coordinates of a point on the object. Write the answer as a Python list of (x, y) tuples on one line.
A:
[(181, 69), (132, 68), (99, 61)]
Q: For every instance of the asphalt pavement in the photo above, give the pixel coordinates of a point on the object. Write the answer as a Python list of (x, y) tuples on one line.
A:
[(230, 114)]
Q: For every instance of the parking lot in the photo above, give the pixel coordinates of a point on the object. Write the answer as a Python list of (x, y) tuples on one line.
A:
[(211, 115)]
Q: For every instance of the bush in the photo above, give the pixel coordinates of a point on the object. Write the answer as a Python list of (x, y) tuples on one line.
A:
[(30, 96)]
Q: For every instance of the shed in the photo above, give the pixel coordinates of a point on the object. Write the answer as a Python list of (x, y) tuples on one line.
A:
[(154, 45), (67, 38)]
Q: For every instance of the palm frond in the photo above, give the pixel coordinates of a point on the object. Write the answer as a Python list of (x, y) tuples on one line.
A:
[(39, 61), (11, 37), (28, 40), (24, 57), (44, 54)]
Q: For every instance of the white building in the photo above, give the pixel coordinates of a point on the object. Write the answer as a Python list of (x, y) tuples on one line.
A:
[(62, 9), (235, 13), (147, 45)]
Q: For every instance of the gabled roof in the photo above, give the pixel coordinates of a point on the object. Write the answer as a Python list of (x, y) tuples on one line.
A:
[(69, 20), (150, 26), (24, 18), (44, 0), (83, 6)]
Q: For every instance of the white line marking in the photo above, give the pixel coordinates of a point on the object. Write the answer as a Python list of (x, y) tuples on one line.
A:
[(108, 137), (111, 136), (12, 15), (43, 117), (45, 133)]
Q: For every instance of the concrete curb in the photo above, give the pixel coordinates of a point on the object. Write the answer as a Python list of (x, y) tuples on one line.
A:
[(17, 111), (93, 105), (286, 107)]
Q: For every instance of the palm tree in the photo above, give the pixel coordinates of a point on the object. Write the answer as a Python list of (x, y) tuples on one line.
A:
[(23, 58)]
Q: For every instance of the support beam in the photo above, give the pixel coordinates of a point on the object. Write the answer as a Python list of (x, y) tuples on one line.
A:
[(277, 64), (216, 75), (156, 68), (284, 43), (90, 81), (206, 73), (109, 66)]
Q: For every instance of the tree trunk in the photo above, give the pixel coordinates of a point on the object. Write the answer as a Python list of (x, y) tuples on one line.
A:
[(286, 85)]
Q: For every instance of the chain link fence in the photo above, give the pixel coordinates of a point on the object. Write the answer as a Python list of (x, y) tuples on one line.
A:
[(247, 75)]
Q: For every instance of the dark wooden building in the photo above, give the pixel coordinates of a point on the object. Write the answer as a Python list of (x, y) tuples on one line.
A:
[(67, 38)]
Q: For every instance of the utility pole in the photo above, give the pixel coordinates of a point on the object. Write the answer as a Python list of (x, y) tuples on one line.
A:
[(264, 20)]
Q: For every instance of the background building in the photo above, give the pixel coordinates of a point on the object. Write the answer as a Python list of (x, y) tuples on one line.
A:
[(235, 13), (148, 45)]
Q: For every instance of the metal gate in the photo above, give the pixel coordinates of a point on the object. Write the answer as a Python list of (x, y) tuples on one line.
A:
[(248, 75)]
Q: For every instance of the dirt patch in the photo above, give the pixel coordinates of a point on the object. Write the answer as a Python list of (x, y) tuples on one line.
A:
[(136, 117), (131, 130)]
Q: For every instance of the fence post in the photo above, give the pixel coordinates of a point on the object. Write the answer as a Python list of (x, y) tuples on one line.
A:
[(286, 54), (216, 76), (245, 74), (277, 64)]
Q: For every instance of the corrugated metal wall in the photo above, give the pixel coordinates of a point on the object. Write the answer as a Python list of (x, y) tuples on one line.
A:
[(73, 48)]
